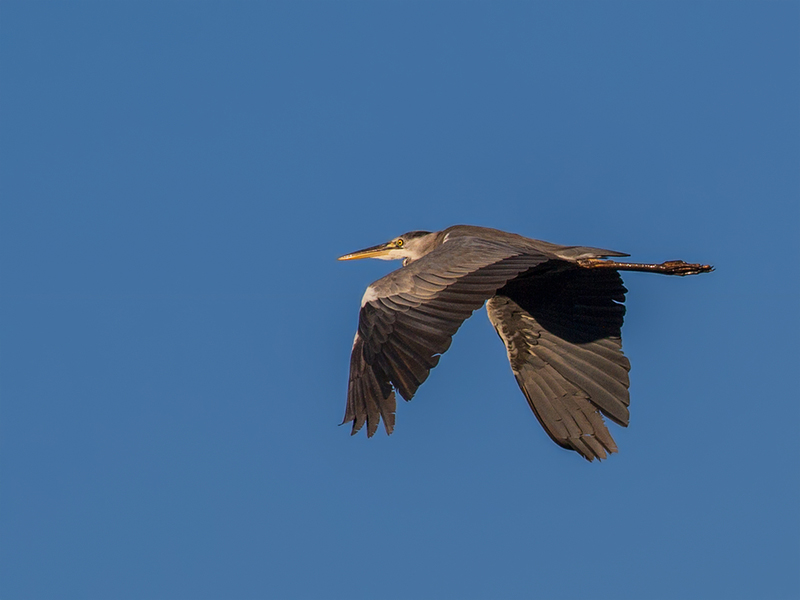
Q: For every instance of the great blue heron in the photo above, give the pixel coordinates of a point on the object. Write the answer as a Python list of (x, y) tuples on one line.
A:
[(558, 309)]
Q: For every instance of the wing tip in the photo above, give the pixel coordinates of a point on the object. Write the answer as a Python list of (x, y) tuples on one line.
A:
[(387, 417), (594, 449)]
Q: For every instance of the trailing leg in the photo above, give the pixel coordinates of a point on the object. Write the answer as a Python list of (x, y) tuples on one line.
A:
[(670, 267)]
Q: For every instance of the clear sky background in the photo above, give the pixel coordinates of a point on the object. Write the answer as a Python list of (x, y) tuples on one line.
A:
[(177, 181)]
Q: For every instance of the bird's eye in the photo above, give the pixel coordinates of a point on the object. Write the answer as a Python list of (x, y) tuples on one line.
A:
[(399, 243)]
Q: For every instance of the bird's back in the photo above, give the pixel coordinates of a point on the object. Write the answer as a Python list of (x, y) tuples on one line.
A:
[(570, 253)]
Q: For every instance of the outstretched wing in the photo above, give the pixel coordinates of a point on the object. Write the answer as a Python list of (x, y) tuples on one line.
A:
[(561, 327), (408, 318)]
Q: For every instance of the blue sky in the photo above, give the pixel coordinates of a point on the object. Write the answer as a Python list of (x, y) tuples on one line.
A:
[(177, 180)]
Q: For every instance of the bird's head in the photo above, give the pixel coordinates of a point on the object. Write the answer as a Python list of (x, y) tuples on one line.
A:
[(409, 246)]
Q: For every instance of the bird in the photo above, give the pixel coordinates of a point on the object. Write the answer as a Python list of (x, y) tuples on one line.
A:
[(558, 310)]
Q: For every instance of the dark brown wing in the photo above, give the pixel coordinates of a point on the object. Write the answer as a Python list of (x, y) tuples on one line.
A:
[(408, 319), (561, 327)]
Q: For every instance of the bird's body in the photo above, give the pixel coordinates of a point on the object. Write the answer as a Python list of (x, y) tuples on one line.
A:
[(558, 310)]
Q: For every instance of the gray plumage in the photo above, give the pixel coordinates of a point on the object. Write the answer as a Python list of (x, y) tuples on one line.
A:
[(557, 309)]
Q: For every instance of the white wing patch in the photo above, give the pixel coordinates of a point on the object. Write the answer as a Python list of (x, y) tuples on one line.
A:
[(369, 296)]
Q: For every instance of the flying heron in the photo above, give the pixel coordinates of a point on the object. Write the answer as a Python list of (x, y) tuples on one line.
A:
[(558, 310)]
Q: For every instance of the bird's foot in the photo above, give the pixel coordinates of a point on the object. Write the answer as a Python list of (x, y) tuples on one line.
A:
[(679, 267)]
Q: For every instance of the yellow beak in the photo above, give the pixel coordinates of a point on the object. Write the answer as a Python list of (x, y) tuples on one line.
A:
[(372, 252)]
